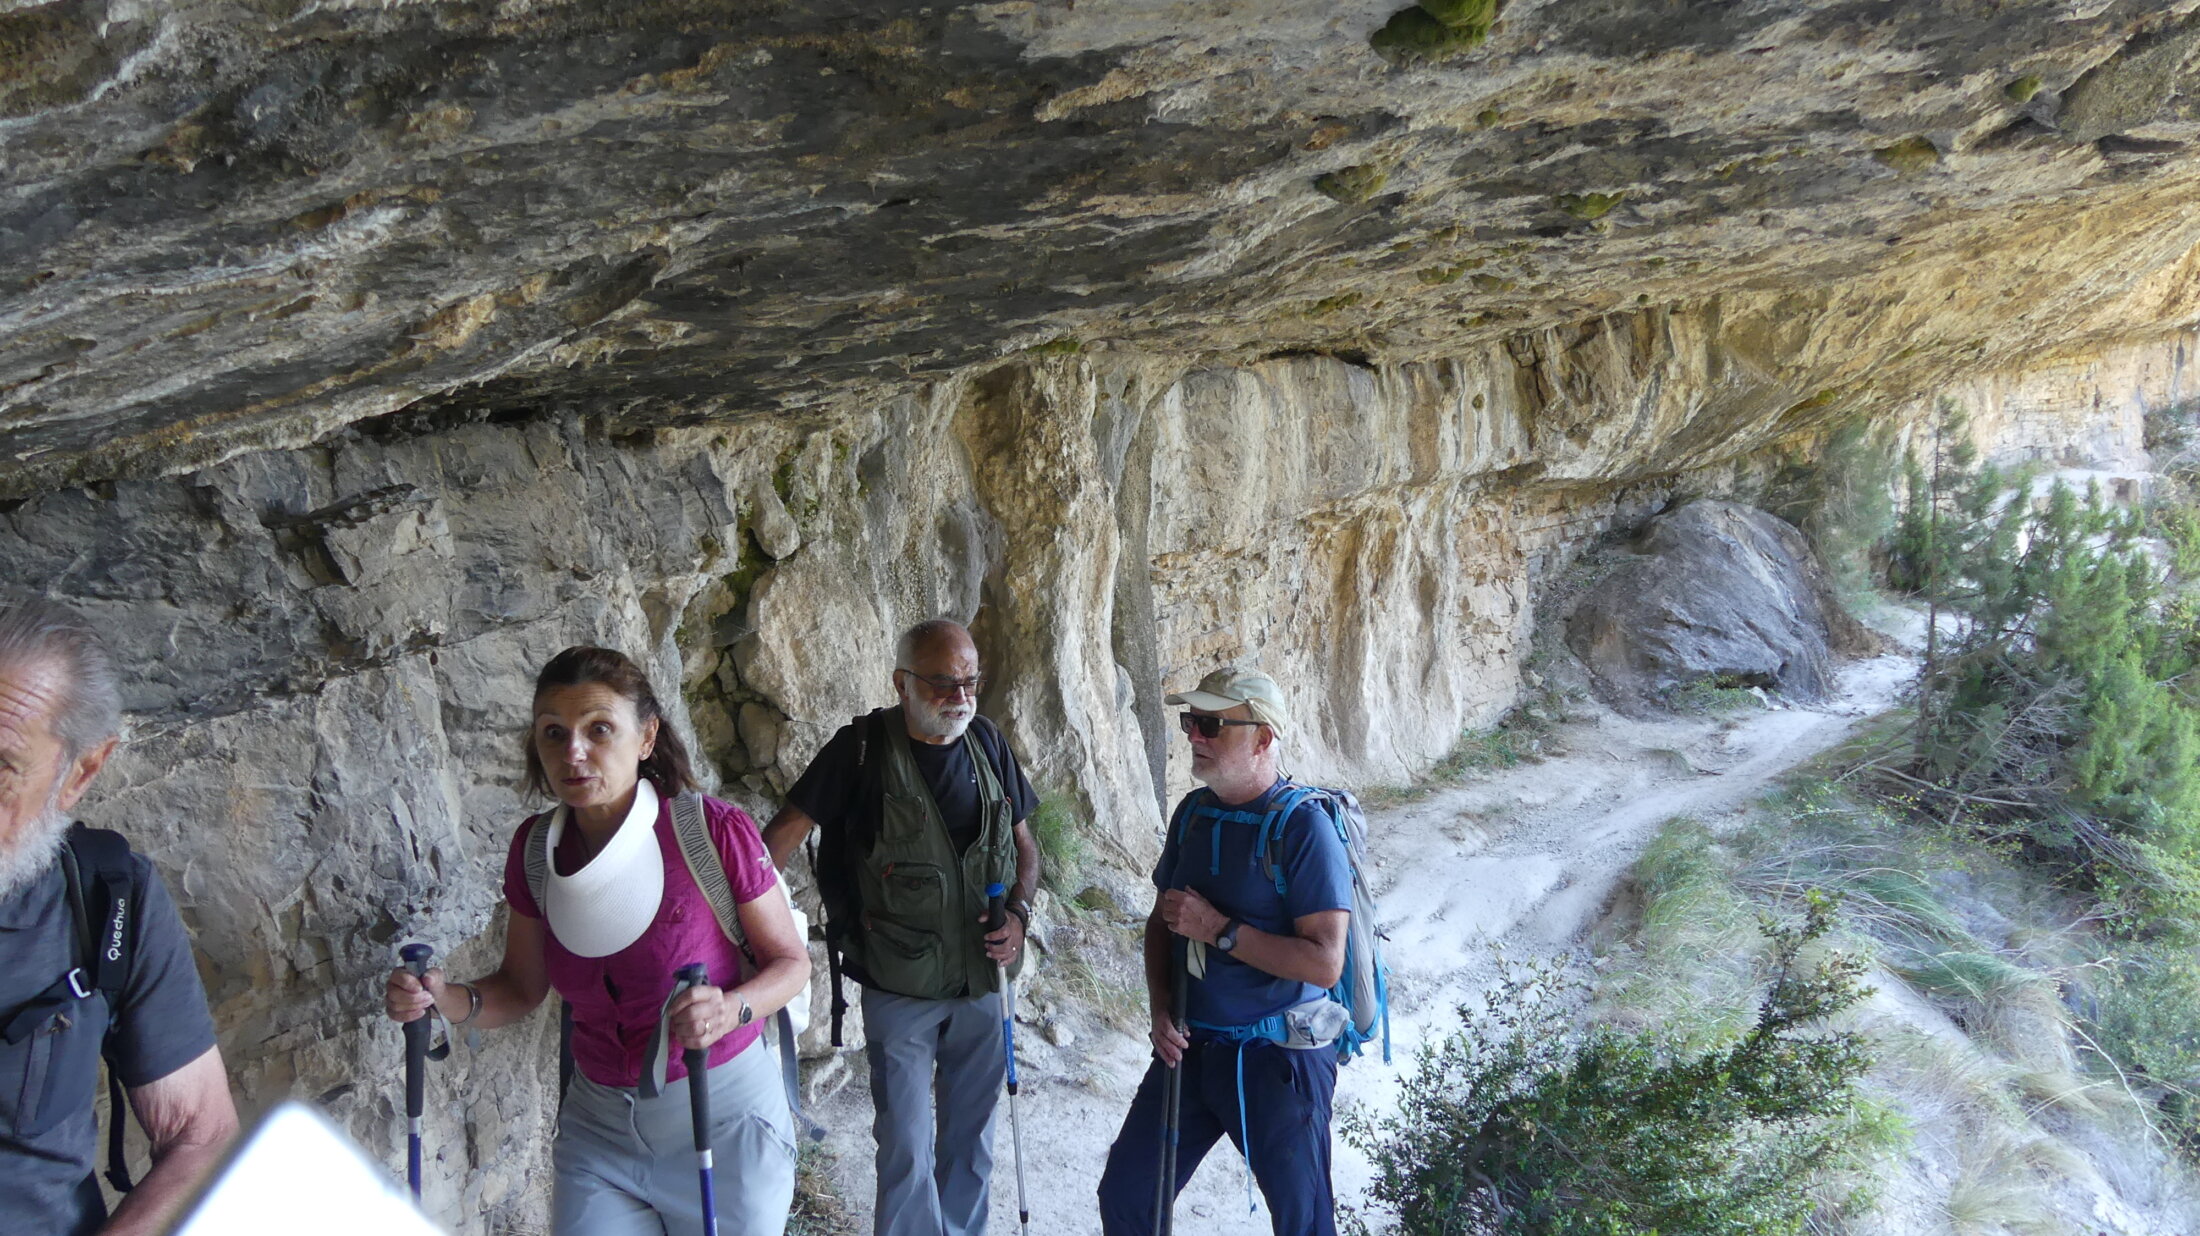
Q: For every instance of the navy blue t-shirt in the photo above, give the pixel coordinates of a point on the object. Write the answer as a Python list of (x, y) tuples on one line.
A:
[(48, 1137), (1216, 859)]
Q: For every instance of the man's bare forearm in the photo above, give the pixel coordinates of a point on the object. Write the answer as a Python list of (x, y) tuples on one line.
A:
[(1159, 941), (785, 833), (149, 1208), (190, 1120), (1297, 958), (1027, 864)]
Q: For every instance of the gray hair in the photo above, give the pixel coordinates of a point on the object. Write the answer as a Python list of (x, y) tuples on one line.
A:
[(922, 636), (34, 631)]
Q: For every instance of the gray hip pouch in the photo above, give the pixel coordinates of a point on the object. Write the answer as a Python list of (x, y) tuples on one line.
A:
[(1316, 1023)]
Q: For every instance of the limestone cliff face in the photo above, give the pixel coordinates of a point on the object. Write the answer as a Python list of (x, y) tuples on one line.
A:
[(332, 648), (356, 357)]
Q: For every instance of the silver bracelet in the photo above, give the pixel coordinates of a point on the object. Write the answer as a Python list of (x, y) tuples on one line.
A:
[(473, 1004)]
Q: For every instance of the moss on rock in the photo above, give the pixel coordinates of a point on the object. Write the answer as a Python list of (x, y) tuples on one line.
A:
[(1910, 155), (1589, 207), (1477, 15), (1352, 185), (1415, 34)]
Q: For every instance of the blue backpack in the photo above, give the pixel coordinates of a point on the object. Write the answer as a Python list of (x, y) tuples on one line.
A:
[(1363, 986)]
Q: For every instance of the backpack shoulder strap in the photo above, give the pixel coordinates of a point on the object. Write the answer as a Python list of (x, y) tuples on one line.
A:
[(692, 829), (1286, 803), (708, 868), (534, 857), (104, 897), (1187, 807)]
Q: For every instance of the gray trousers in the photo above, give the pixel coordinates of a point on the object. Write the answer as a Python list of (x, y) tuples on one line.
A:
[(625, 1165), (935, 1146)]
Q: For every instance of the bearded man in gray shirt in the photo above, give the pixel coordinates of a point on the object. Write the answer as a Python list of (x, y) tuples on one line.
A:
[(130, 988)]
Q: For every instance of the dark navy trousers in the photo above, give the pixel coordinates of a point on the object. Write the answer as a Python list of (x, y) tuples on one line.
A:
[(1287, 1098)]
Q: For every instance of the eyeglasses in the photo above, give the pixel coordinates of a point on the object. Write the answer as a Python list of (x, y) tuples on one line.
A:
[(1207, 727), (943, 686)]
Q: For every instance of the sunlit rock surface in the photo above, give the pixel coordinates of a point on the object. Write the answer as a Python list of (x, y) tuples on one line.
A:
[(355, 357)]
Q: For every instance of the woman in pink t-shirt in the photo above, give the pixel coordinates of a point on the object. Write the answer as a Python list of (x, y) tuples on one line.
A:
[(619, 913)]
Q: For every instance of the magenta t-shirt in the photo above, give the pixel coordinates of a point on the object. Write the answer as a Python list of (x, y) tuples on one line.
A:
[(616, 1000)]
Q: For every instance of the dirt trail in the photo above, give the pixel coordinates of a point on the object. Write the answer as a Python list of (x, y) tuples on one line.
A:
[(1529, 857)]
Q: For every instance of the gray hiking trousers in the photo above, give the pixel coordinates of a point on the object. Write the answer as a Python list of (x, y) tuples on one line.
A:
[(625, 1165), (936, 1077)]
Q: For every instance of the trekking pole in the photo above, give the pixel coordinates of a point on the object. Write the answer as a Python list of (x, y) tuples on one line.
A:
[(417, 1032), (697, 1060), (1172, 1100), (996, 917)]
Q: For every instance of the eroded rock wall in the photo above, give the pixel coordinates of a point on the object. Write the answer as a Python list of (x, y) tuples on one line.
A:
[(2086, 409), (331, 649)]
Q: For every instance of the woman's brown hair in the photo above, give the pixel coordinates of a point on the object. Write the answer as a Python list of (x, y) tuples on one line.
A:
[(667, 767)]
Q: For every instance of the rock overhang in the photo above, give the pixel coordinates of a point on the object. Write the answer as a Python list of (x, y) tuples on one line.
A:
[(232, 226)]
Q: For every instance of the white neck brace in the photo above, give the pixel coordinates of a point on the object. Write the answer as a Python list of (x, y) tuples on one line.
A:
[(609, 903)]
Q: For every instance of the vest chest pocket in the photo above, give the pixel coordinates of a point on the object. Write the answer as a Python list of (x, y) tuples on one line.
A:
[(906, 960), (915, 893), (54, 1072)]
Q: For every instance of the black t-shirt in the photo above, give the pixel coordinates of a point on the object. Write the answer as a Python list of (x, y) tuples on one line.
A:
[(48, 1137), (832, 787)]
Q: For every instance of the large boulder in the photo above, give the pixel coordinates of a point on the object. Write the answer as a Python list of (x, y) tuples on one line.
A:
[(1712, 591)]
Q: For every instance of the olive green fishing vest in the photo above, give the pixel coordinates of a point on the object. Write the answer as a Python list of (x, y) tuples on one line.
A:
[(919, 934)]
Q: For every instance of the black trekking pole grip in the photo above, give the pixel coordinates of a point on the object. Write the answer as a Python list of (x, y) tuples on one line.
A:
[(417, 1033), (1180, 996), (697, 1060), (996, 908)]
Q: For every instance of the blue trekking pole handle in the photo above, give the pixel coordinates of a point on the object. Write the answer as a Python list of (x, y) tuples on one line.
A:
[(697, 1060), (415, 957)]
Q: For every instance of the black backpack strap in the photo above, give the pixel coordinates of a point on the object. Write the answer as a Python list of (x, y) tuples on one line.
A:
[(565, 1050), (832, 947), (107, 883), (836, 891), (104, 896)]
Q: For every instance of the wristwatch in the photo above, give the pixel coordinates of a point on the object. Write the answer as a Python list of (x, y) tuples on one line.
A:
[(1022, 910), (1226, 939), (747, 1014)]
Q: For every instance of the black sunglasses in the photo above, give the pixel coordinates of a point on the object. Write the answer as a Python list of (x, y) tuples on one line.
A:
[(1207, 727)]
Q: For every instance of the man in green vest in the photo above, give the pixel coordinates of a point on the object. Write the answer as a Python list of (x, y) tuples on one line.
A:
[(918, 808)]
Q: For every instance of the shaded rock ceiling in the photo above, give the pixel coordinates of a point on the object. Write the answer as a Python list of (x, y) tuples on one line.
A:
[(226, 226)]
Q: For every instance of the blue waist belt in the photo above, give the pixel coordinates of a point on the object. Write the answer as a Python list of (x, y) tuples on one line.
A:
[(1273, 1029)]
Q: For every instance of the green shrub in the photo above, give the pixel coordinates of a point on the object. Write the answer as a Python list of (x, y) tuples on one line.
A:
[(1062, 849), (2143, 1009), (1976, 977), (1712, 696), (2053, 707), (1699, 943), (1847, 508), (1521, 1124)]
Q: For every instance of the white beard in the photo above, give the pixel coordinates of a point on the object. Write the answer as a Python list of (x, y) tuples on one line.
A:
[(945, 722), (22, 865)]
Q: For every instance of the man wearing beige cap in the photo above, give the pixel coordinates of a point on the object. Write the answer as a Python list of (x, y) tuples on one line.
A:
[(1259, 924)]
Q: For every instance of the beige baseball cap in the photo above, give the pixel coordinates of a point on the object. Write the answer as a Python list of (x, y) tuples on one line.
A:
[(1227, 688)]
